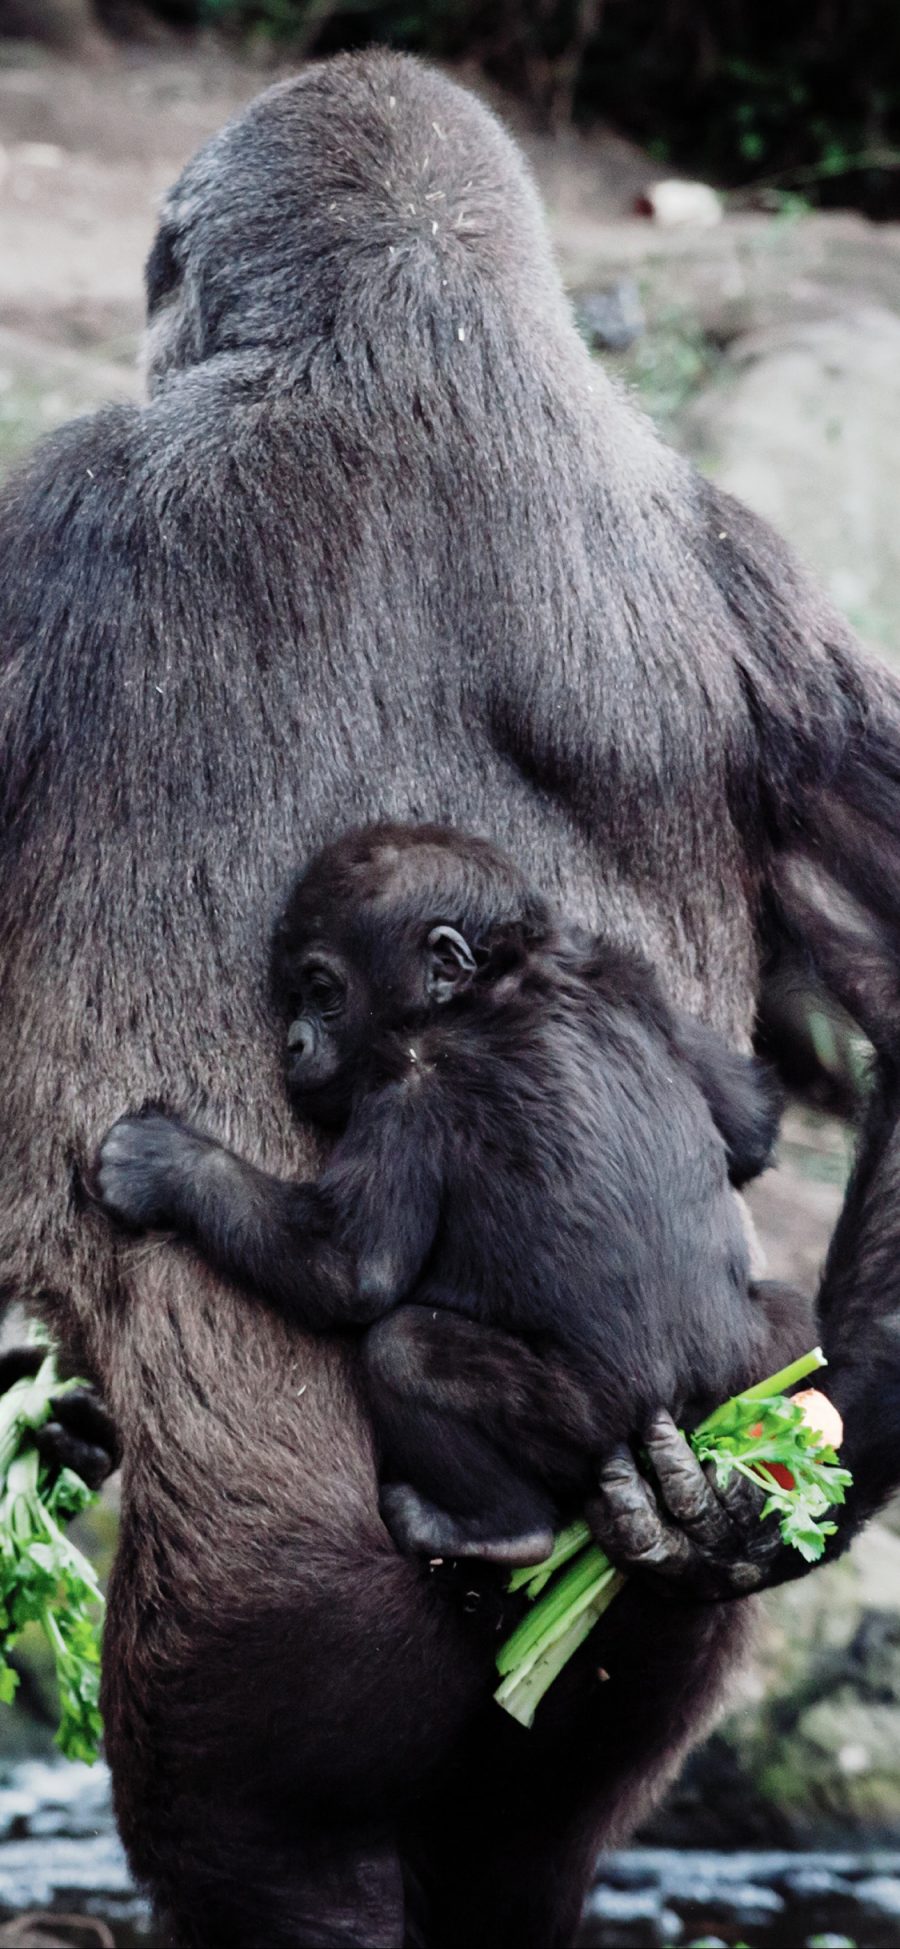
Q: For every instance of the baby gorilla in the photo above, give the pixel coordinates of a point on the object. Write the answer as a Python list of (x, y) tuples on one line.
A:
[(529, 1201)]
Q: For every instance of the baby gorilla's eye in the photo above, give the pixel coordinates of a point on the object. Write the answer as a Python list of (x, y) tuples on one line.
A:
[(324, 990)]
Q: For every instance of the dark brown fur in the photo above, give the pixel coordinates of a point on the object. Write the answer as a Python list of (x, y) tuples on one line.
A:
[(384, 542)]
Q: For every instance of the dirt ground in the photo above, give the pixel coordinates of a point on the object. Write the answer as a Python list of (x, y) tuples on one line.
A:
[(85, 155)]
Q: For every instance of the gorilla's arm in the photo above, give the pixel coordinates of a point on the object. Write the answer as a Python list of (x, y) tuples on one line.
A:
[(267, 1234), (711, 1539), (848, 916), (336, 1252), (836, 898), (827, 791)]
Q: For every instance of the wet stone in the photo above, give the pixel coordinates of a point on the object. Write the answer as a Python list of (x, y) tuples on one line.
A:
[(806, 1883), (766, 1900), (880, 1893), (636, 1916)]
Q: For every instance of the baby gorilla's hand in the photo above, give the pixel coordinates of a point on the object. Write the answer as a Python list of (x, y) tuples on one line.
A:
[(140, 1166)]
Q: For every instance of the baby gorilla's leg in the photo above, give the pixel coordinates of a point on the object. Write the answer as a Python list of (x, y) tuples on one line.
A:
[(507, 1520), (454, 1404)]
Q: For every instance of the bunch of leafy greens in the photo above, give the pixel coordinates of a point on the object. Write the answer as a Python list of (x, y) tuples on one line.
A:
[(755, 1433), (43, 1577)]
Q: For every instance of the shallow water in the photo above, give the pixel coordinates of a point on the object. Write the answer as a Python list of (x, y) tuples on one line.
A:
[(769, 1900), (58, 1850)]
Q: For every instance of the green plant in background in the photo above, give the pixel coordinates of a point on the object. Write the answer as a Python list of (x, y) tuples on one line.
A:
[(668, 365), (317, 25)]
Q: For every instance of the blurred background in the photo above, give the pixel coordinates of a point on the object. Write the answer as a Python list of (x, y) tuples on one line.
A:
[(722, 180)]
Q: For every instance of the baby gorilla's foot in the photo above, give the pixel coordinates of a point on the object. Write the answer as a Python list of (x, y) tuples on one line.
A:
[(421, 1528)]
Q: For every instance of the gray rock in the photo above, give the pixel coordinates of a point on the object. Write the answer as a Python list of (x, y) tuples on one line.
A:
[(612, 318), (881, 1893), (632, 1917), (810, 1757), (33, 1873), (59, 1848), (803, 422), (56, 1799), (807, 1882), (749, 274)]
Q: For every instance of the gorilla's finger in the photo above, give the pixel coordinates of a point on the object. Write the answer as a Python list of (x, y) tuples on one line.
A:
[(744, 1501), (81, 1435), (686, 1490), (19, 1364), (62, 1450), (626, 1520), (82, 1414), (702, 1550)]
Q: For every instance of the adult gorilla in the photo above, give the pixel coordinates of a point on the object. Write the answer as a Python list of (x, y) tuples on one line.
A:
[(383, 543)]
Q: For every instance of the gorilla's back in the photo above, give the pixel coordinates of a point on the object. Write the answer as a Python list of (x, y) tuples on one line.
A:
[(383, 542)]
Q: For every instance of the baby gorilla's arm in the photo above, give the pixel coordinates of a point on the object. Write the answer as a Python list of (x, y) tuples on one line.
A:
[(340, 1252), (269, 1235)]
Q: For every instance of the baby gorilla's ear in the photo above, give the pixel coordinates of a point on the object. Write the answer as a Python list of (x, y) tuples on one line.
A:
[(451, 964), (742, 1092)]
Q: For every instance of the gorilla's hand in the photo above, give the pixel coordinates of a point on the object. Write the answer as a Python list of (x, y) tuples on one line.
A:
[(141, 1166), (708, 1540), (80, 1435)]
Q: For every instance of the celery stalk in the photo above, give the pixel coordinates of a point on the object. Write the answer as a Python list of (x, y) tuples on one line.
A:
[(560, 1618), (521, 1691), (799, 1370), (568, 1543)]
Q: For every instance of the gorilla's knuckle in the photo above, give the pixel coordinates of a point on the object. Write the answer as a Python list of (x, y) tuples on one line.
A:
[(687, 1500), (660, 1554), (616, 1482), (635, 1526), (744, 1576)]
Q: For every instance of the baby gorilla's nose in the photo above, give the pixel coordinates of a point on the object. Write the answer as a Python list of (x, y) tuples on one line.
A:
[(300, 1037)]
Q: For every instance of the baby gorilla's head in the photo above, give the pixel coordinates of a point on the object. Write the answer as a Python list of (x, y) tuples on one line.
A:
[(391, 923), (384, 928)]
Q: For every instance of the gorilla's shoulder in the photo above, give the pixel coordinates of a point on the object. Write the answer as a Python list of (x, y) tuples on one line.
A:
[(86, 456), (127, 470)]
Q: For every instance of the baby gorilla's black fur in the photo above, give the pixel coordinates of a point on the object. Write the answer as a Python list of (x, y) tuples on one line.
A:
[(529, 1202)]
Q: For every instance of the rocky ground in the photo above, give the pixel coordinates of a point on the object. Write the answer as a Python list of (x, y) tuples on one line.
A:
[(771, 352)]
